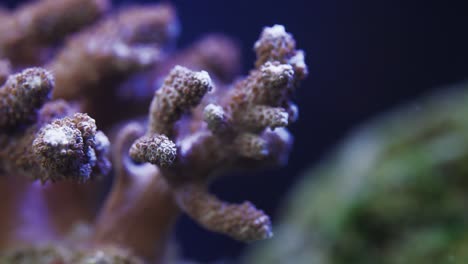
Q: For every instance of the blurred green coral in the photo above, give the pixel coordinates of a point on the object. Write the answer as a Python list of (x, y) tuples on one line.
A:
[(396, 191), (58, 254)]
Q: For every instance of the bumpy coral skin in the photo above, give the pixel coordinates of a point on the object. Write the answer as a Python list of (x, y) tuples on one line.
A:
[(241, 221), (260, 117), (263, 99), (157, 149), (268, 86), (68, 148), (71, 148), (275, 44), (215, 118), (22, 95), (251, 146), (36, 25), (182, 89)]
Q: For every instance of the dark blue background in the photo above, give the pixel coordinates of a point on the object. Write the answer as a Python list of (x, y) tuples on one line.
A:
[(364, 57)]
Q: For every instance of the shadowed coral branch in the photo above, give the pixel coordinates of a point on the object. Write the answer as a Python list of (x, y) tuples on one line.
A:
[(140, 210), (94, 61), (30, 29), (22, 95)]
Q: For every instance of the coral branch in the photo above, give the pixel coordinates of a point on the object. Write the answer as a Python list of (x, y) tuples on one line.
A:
[(262, 99), (117, 47), (243, 222), (260, 117), (215, 117), (183, 89), (47, 149), (34, 26), (68, 148), (157, 149), (251, 146), (275, 44), (71, 148), (270, 84), (22, 95)]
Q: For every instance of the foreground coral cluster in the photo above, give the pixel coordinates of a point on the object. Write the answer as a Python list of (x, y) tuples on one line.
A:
[(68, 66)]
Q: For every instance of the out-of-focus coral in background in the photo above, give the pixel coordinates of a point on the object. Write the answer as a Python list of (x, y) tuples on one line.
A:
[(395, 191)]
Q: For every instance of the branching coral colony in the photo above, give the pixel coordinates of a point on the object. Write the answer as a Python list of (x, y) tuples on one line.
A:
[(88, 61)]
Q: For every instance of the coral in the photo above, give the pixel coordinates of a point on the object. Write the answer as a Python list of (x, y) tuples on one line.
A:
[(72, 147), (182, 90), (5, 70), (93, 62), (59, 254), (117, 46), (243, 222), (157, 149), (33, 28), (100, 67), (22, 94), (36, 145), (214, 53), (252, 107)]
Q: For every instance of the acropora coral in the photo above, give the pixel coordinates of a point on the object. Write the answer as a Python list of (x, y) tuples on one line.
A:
[(78, 80)]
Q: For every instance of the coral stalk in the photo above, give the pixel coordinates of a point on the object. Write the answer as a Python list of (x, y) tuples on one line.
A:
[(140, 210)]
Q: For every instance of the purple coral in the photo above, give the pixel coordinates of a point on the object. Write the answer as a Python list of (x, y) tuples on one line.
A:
[(22, 95), (199, 127), (37, 146), (71, 147)]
